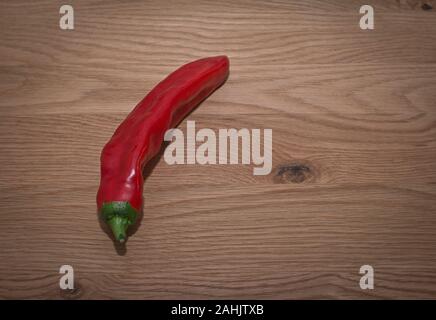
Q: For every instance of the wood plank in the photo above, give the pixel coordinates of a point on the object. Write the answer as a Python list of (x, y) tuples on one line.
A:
[(354, 142)]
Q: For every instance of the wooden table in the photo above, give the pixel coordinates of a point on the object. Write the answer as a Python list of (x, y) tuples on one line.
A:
[(354, 144)]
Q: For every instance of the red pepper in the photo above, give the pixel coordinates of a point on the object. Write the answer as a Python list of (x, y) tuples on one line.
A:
[(139, 137)]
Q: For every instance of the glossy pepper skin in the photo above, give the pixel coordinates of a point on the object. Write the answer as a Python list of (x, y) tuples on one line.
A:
[(139, 137)]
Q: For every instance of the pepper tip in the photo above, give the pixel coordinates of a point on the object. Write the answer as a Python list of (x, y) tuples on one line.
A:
[(119, 227)]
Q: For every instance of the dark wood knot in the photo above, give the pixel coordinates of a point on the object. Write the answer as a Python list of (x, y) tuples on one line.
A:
[(72, 294), (426, 7), (295, 172)]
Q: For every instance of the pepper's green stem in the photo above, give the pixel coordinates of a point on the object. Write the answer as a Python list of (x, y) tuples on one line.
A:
[(119, 215), (119, 227)]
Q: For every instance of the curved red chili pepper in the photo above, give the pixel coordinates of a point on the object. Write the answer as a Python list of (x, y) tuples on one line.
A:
[(139, 137)]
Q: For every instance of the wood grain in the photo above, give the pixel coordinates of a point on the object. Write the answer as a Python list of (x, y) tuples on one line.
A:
[(354, 143)]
